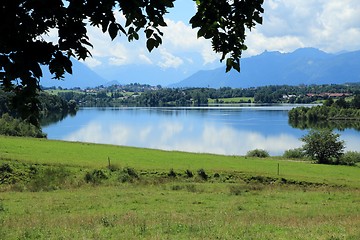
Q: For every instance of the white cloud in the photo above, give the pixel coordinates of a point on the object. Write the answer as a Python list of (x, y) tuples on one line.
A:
[(117, 61), (168, 60), (145, 59), (208, 55), (259, 42), (180, 37), (92, 62), (329, 25)]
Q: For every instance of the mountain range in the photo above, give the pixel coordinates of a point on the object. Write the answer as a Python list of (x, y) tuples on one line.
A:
[(303, 66), (82, 77)]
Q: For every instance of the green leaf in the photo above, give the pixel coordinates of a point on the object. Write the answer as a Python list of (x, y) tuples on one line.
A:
[(150, 44), (236, 65), (67, 65), (201, 32), (122, 29), (229, 64), (113, 30), (149, 32), (36, 70)]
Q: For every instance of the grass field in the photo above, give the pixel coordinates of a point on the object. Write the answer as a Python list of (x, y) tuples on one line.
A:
[(62, 190), (233, 100), (57, 91)]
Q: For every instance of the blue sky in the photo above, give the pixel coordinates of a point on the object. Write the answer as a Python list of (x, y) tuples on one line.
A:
[(329, 25)]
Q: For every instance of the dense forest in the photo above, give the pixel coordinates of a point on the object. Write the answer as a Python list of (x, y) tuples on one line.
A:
[(339, 114), (48, 103), (52, 108)]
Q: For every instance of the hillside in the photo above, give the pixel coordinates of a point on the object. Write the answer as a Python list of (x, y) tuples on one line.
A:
[(303, 66), (82, 77)]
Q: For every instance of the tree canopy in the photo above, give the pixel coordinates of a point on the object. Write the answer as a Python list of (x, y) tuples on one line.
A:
[(24, 23), (324, 146)]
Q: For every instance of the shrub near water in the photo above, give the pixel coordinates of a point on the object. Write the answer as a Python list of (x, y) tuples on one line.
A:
[(10, 126)]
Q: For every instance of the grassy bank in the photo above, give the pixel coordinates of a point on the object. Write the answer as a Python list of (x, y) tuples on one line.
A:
[(62, 190), (42, 151)]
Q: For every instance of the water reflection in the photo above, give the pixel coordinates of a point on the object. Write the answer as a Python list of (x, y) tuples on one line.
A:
[(220, 131), (169, 135)]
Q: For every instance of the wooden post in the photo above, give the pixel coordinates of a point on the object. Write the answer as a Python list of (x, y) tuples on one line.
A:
[(108, 162), (278, 169)]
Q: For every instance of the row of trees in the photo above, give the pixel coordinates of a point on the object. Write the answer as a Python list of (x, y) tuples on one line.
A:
[(299, 94), (331, 110), (113, 96), (333, 114)]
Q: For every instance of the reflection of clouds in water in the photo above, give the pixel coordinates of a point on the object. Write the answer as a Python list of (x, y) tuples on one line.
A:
[(229, 141), (118, 134), (89, 133), (169, 130), (169, 135), (144, 133), (352, 142), (97, 133)]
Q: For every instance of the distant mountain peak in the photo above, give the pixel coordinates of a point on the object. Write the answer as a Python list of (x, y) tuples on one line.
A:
[(309, 52)]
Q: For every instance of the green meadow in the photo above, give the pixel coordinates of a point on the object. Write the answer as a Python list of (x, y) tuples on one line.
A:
[(62, 190), (232, 100)]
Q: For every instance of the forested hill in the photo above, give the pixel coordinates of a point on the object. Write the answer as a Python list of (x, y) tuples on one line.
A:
[(303, 66)]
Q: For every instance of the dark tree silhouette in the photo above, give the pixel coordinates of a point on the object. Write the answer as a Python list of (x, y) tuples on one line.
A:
[(23, 23)]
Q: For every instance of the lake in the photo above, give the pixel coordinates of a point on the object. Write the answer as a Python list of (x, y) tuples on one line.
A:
[(228, 130)]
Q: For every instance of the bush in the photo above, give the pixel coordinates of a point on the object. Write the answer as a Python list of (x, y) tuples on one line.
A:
[(202, 174), (350, 158), (172, 173), (10, 126), (296, 153), (216, 175), (189, 173), (49, 179), (323, 146), (260, 153), (113, 168), (95, 177), (128, 175)]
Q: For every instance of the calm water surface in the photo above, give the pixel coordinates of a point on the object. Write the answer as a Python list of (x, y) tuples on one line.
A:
[(220, 130)]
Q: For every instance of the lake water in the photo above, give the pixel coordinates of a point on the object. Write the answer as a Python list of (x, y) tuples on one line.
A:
[(220, 130)]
